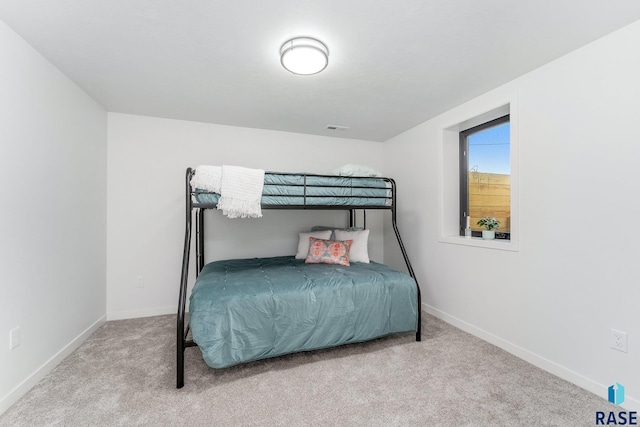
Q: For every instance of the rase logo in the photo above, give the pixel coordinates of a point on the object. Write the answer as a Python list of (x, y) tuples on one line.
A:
[(615, 395)]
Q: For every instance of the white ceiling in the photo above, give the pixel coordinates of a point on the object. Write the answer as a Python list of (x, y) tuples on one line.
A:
[(392, 64)]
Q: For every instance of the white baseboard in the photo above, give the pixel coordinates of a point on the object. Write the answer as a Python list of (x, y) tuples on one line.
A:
[(145, 312), (588, 384), (47, 367)]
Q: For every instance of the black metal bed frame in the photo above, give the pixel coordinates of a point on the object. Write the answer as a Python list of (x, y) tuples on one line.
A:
[(182, 333)]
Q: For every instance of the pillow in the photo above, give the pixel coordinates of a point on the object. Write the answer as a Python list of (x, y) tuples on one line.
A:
[(303, 241), (359, 248), (328, 252), (351, 169), (333, 236)]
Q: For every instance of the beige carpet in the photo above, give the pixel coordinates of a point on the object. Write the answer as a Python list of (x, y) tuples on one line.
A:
[(124, 375)]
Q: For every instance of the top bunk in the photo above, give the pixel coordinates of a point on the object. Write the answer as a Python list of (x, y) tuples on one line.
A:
[(283, 190)]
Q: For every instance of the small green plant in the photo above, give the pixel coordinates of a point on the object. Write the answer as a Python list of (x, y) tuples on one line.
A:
[(489, 223)]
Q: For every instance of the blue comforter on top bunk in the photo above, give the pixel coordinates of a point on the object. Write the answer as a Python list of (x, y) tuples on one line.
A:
[(291, 189), (249, 309)]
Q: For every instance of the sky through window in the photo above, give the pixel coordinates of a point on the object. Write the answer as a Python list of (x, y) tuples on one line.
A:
[(489, 150)]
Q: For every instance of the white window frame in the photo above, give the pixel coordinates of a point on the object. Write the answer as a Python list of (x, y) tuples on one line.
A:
[(449, 187)]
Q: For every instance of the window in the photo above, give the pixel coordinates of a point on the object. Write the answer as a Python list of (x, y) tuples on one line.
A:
[(485, 177), (482, 114)]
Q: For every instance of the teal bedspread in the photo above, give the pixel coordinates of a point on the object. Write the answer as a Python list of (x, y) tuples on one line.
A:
[(249, 309), (288, 189)]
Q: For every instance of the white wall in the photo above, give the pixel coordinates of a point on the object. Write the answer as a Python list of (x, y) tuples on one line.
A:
[(53, 218), (147, 160), (574, 277)]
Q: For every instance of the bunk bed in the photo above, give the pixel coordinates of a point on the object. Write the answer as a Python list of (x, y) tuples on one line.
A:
[(266, 307)]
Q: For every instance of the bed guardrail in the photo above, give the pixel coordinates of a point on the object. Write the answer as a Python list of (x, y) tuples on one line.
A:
[(351, 192)]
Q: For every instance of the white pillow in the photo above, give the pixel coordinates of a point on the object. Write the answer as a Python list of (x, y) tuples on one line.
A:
[(352, 169), (359, 251), (303, 241)]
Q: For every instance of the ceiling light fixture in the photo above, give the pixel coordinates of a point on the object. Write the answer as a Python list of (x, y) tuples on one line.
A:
[(304, 55)]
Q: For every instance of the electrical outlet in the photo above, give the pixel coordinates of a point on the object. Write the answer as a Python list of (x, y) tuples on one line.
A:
[(14, 338), (619, 340), (140, 282)]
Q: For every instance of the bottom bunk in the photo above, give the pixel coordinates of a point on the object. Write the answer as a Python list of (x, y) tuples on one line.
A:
[(250, 309)]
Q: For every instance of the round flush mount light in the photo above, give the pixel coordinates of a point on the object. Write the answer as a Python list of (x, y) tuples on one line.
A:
[(304, 55)]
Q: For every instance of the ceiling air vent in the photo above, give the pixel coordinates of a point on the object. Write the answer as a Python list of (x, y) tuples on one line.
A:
[(336, 127)]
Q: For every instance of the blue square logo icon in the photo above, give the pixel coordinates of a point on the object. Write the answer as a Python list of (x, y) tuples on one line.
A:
[(616, 394)]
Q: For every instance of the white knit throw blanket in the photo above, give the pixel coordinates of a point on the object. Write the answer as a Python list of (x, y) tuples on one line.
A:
[(208, 178), (241, 191)]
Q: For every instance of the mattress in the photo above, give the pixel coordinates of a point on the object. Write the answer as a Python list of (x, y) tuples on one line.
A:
[(315, 190), (250, 309)]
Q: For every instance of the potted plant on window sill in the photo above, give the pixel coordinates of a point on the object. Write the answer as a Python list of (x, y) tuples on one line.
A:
[(490, 225)]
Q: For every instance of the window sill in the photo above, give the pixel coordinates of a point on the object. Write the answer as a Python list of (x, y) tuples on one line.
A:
[(479, 242)]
